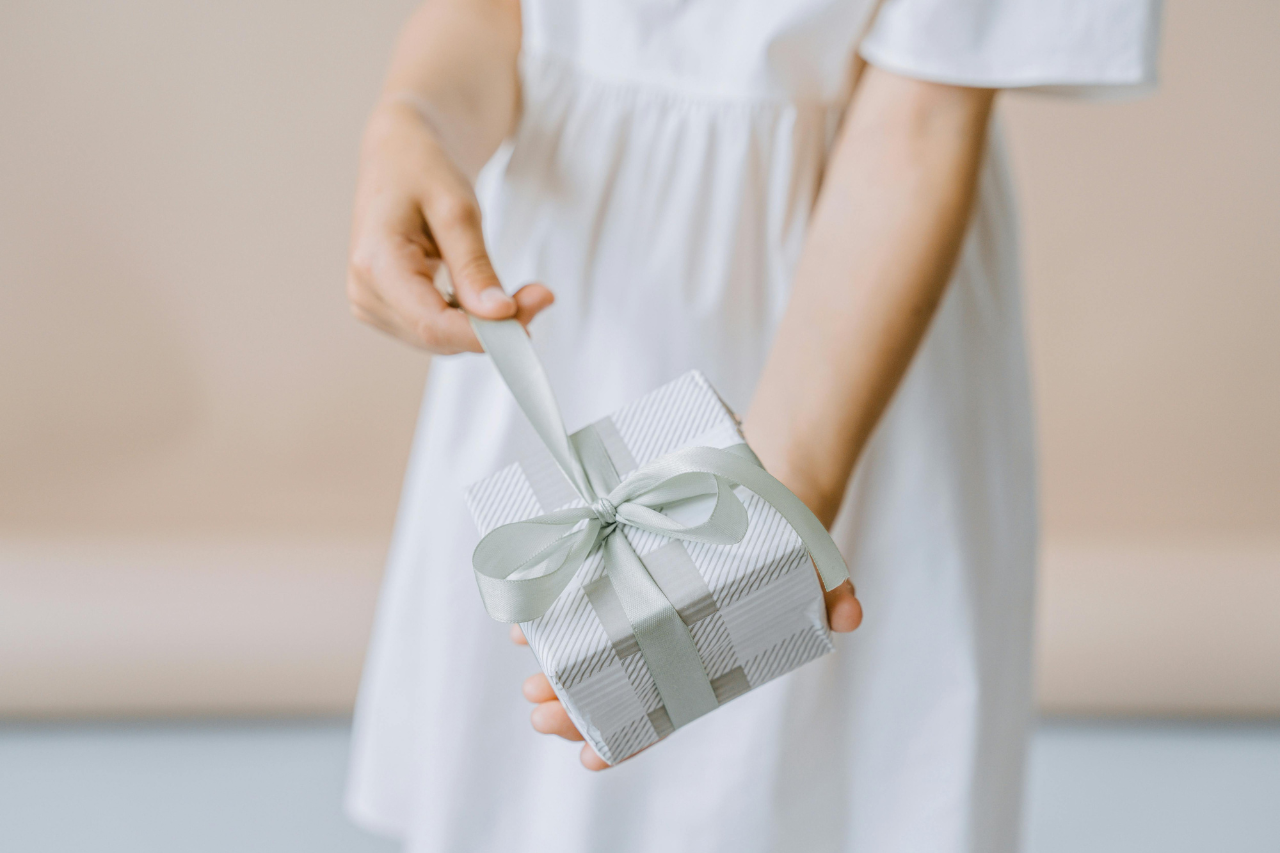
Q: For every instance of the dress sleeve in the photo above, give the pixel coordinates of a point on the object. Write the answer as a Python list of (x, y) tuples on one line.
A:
[(1087, 48)]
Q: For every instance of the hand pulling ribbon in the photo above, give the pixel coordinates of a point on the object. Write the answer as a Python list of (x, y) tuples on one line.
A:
[(523, 567)]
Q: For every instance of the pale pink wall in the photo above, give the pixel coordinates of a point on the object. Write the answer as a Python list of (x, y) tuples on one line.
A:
[(200, 452)]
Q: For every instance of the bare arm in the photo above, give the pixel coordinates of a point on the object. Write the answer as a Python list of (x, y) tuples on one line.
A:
[(451, 96), (885, 235), (456, 62)]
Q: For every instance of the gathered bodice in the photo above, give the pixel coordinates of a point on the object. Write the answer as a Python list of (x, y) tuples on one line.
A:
[(735, 50)]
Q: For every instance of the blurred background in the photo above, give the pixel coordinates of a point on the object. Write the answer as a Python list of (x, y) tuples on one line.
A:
[(200, 451)]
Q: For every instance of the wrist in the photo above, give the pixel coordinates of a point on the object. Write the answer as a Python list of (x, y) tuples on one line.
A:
[(460, 142), (392, 124), (809, 479), (823, 500)]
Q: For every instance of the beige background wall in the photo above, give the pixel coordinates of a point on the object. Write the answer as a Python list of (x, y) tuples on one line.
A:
[(1153, 268), (200, 452)]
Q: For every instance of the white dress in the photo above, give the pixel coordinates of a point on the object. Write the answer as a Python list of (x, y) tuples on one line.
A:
[(660, 182)]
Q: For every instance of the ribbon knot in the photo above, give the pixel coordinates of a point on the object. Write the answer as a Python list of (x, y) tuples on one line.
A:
[(605, 511)]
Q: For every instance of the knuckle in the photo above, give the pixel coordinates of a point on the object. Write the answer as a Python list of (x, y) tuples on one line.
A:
[(355, 289), (475, 271), (358, 294), (457, 211), (426, 333), (360, 265)]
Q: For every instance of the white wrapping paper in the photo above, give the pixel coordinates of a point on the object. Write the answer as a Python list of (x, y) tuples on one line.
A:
[(755, 609)]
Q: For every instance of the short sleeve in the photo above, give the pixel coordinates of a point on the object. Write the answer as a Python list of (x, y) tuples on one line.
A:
[(1090, 48)]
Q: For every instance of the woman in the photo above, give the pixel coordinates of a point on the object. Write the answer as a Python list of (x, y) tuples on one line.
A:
[(804, 201)]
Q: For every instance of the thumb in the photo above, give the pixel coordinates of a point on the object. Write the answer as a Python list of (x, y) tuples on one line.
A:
[(455, 227), (844, 611)]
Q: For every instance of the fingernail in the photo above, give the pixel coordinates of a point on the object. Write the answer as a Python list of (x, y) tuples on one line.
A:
[(494, 297)]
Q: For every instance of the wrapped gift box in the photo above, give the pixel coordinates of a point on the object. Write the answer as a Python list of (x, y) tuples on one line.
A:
[(755, 609)]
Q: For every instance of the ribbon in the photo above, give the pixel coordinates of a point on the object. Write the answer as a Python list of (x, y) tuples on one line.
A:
[(522, 567)]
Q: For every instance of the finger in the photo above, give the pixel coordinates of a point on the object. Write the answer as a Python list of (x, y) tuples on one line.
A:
[(517, 636), (537, 688), (402, 280), (844, 611), (591, 760), (453, 216), (382, 324), (550, 718), (368, 307), (531, 299)]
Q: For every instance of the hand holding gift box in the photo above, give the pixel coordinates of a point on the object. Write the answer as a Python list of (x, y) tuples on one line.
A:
[(657, 570)]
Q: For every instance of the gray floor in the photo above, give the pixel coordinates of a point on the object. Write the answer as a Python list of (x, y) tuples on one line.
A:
[(1130, 788), (1093, 788)]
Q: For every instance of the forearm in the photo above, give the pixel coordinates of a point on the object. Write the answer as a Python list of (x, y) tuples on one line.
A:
[(886, 230), (455, 66)]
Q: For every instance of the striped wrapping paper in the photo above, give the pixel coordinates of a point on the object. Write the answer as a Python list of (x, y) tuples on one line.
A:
[(755, 609)]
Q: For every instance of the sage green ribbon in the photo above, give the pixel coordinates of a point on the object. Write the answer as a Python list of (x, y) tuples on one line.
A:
[(523, 567)]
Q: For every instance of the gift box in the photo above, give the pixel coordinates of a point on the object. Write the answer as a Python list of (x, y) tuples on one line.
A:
[(753, 607)]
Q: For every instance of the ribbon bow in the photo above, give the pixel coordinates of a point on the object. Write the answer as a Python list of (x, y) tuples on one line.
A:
[(522, 567)]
